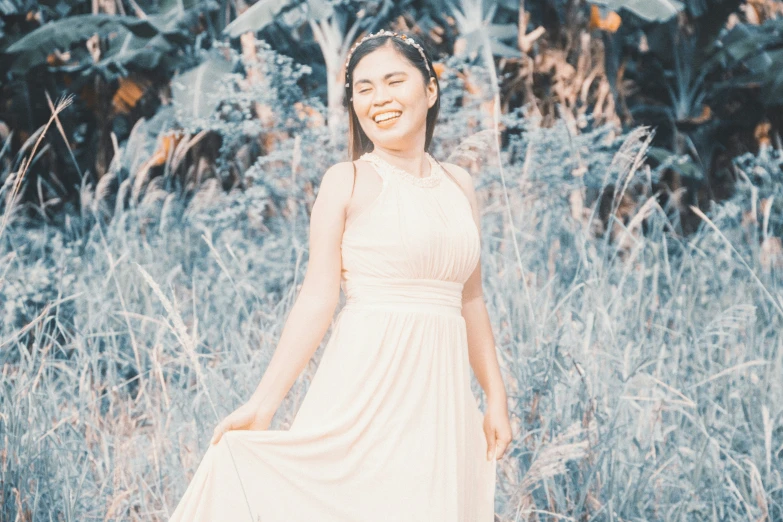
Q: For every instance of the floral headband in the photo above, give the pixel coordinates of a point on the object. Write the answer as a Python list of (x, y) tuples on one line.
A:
[(385, 32)]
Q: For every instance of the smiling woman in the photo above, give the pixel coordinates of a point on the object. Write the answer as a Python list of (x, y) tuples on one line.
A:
[(399, 96), (389, 430)]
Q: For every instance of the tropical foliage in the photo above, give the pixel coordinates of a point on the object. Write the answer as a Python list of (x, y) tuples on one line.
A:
[(706, 76)]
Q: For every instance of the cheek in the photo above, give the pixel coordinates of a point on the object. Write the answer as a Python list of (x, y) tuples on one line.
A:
[(360, 109), (410, 96)]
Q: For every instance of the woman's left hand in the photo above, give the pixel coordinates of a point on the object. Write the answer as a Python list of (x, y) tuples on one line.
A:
[(497, 428)]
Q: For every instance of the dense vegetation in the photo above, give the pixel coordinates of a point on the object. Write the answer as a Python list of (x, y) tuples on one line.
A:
[(159, 161)]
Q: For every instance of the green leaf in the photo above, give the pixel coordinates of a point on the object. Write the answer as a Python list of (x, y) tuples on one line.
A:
[(503, 31), (33, 49), (754, 55), (506, 51), (475, 39), (179, 6), (319, 10), (256, 17), (191, 90), (649, 10), (682, 164), (176, 15)]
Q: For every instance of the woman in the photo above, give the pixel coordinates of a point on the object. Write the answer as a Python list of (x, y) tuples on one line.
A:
[(389, 430)]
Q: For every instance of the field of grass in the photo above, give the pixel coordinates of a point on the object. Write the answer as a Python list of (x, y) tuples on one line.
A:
[(643, 367)]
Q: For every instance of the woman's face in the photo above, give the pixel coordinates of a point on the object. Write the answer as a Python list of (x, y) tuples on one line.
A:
[(386, 85)]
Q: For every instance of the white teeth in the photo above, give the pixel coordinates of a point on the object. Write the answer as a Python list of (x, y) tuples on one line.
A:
[(386, 115)]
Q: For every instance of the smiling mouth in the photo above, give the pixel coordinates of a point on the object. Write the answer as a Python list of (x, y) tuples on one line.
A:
[(386, 118)]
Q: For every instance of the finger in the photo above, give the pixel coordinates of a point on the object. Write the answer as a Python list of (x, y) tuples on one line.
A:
[(502, 447), (217, 433), (491, 449)]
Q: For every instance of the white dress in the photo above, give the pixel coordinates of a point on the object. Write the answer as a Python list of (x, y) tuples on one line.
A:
[(389, 430)]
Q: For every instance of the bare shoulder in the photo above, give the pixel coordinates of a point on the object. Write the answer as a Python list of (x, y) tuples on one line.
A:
[(337, 181), (339, 172), (463, 177), (333, 195)]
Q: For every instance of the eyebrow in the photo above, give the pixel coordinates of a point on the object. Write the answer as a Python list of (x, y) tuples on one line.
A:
[(385, 77)]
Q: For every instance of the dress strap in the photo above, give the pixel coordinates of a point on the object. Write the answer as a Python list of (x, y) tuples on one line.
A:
[(380, 167)]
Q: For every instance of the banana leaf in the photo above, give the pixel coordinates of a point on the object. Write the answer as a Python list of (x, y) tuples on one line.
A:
[(256, 17), (193, 91), (33, 49), (647, 10), (754, 53), (179, 15), (125, 53), (492, 33)]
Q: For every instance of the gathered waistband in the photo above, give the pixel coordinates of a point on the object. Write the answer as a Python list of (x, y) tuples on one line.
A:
[(407, 294)]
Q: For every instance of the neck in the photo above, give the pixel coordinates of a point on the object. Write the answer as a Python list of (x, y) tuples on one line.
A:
[(413, 162)]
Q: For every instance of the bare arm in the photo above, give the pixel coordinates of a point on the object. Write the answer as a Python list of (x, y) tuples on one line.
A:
[(312, 312), (481, 341)]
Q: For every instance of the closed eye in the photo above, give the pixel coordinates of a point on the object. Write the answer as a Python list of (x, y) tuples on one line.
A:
[(392, 83)]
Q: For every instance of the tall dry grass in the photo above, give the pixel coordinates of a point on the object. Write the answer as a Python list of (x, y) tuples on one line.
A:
[(643, 368)]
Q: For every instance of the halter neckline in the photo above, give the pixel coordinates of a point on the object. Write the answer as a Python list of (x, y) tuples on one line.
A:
[(430, 181)]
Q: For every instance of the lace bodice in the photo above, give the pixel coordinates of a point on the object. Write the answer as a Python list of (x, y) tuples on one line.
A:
[(430, 181)]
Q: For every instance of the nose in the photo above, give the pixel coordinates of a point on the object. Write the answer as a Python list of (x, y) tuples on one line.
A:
[(381, 95)]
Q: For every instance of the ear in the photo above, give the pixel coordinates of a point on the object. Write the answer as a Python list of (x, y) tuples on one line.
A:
[(432, 93)]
